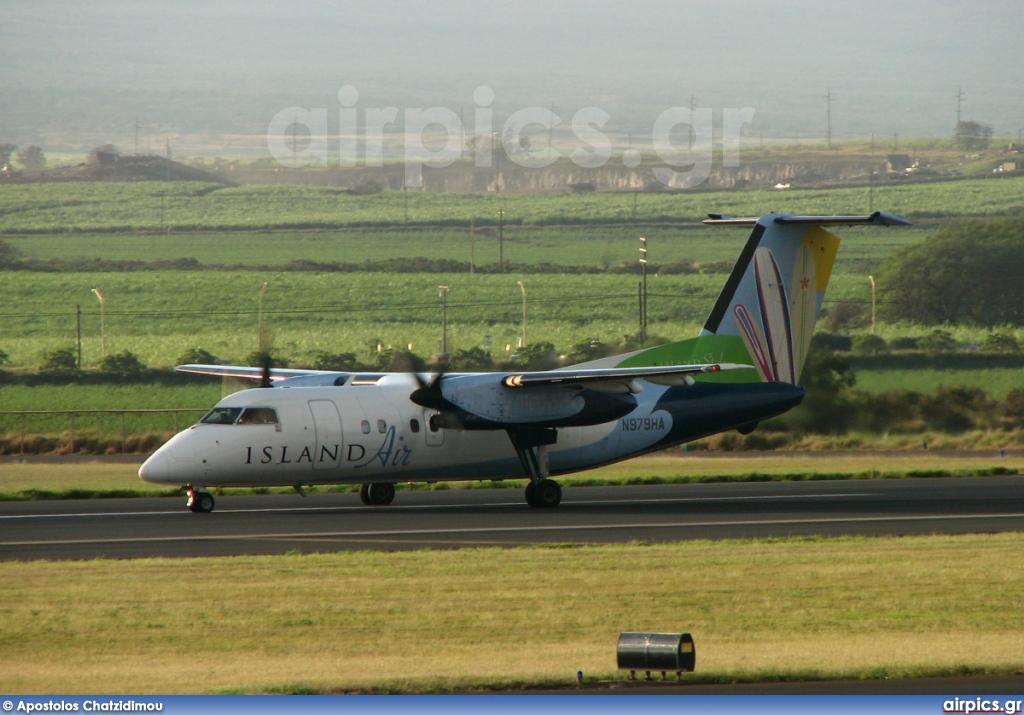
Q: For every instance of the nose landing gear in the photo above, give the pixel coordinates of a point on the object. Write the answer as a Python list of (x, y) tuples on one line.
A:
[(200, 501)]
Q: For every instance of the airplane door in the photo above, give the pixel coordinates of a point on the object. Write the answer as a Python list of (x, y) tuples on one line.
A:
[(434, 435), (327, 423)]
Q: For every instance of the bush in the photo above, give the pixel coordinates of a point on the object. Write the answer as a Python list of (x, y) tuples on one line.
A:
[(826, 408), (342, 362), (589, 350), (938, 341), (831, 341), (258, 359), (63, 360), (886, 411), (475, 359), (1013, 408), (1001, 343), (904, 342), (124, 363), (870, 345), (198, 356), (956, 409), (845, 315), (537, 356)]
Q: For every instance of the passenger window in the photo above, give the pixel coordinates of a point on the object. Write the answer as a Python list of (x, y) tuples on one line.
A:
[(414, 425), (222, 416), (433, 423), (258, 416), (382, 426), (365, 425)]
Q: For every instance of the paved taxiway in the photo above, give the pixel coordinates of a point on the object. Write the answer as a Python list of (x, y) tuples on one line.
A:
[(127, 528)]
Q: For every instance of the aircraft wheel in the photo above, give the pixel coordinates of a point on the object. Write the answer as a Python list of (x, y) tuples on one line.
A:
[(531, 494), (547, 493), (382, 494), (200, 502), (364, 494)]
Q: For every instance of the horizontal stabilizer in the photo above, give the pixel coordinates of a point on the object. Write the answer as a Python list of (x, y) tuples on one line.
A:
[(873, 219)]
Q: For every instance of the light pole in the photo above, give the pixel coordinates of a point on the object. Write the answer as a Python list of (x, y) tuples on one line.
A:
[(523, 289), (443, 293), (259, 335), (643, 291), (103, 321)]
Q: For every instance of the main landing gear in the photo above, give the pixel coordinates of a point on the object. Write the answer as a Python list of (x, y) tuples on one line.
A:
[(377, 494), (531, 446), (200, 501), (543, 493)]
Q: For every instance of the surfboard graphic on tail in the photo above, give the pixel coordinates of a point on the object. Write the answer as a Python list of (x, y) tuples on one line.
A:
[(765, 314)]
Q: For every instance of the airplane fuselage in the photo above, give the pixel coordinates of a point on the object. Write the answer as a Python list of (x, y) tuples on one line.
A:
[(363, 434)]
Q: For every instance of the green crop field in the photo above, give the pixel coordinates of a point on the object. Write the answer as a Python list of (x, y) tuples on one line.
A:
[(64, 207), (528, 249), (160, 314)]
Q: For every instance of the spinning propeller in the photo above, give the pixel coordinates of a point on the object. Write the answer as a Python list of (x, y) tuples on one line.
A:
[(428, 394)]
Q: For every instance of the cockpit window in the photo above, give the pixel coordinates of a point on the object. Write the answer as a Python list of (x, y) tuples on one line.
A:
[(222, 416), (258, 416)]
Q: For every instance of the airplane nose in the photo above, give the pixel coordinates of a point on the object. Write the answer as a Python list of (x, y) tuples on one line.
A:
[(155, 469)]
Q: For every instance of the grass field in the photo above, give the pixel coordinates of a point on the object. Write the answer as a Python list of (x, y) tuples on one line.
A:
[(853, 607), (994, 380), (159, 315), (72, 206), (528, 249)]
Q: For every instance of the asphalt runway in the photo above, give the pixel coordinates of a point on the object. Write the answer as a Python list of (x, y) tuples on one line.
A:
[(130, 528)]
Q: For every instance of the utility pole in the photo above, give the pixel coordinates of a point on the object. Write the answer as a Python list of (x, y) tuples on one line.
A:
[(136, 136), (443, 293), (828, 113), (472, 246)]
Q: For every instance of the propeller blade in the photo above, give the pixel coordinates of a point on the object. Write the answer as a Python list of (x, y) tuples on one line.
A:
[(265, 380), (428, 394)]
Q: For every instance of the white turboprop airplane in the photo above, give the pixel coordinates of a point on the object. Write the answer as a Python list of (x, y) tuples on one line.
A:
[(308, 427)]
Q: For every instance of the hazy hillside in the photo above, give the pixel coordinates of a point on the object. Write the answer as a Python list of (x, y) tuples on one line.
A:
[(83, 71)]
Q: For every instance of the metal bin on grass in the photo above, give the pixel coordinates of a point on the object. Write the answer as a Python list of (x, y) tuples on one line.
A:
[(667, 652)]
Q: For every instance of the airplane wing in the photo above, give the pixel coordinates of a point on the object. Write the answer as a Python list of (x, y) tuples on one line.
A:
[(670, 375), (250, 373)]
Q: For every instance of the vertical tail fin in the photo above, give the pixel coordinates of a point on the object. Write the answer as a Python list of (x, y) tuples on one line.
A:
[(766, 312)]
